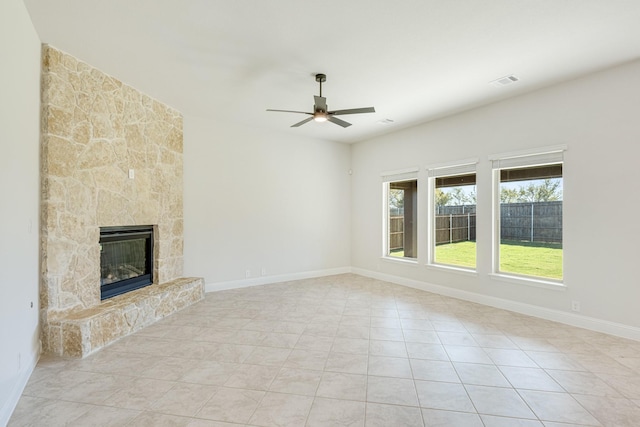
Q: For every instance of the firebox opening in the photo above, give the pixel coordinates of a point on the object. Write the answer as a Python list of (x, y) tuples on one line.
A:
[(126, 259)]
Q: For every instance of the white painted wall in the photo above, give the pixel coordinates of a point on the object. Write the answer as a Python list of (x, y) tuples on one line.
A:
[(19, 192), (598, 118), (254, 199)]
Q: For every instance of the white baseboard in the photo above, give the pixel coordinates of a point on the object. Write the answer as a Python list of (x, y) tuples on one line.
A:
[(20, 383), (265, 280), (572, 319)]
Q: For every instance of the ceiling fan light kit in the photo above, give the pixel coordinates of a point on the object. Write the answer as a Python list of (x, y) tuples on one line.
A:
[(321, 112), (320, 117)]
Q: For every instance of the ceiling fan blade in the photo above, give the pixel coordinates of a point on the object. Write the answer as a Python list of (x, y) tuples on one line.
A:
[(302, 122), (353, 111), (321, 103), (289, 111), (339, 122)]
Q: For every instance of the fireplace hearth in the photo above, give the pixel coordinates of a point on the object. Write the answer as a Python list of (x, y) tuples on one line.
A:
[(126, 259)]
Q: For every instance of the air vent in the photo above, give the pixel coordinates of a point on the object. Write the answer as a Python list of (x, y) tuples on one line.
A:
[(504, 81), (385, 121)]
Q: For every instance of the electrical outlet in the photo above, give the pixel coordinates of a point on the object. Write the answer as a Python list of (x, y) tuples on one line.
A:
[(575, 305), (247, 273)]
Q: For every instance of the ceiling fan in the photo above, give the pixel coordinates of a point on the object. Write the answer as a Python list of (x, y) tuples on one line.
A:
[(320, 111)]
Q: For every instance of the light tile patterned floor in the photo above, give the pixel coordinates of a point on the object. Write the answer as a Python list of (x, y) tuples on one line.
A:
[(342, 351)]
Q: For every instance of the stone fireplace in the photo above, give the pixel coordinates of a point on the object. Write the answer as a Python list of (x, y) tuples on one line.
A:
[(111, 156)]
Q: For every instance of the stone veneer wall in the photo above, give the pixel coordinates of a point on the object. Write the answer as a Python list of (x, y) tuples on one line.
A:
[(94, 130)]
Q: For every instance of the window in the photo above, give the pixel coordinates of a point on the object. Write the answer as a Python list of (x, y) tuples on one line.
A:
[(452, 237), (401, 197), (528, 215)]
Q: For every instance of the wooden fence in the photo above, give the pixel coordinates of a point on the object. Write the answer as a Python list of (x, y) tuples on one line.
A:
[(396, 232), (455, 228), (531, 222)]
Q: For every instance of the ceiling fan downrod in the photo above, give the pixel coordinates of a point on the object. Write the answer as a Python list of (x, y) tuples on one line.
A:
[(320, 78)]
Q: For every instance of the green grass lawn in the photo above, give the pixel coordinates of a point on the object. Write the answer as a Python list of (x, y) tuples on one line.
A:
[(461, 254), (398, 253), (531, 259)]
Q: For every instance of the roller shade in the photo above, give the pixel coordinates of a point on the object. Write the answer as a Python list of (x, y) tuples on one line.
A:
[(464, 167), (528, 173), (400, 175), (545, 156), (455, 181)]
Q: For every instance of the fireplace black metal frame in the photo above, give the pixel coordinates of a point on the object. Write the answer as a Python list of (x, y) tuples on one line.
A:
[(112, 234)]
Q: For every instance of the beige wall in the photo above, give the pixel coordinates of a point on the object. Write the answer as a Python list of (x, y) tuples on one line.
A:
[(94, 130), (19, 189), (273, 204)]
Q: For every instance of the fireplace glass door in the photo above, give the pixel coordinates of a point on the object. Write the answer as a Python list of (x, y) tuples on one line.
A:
[(126, 259)]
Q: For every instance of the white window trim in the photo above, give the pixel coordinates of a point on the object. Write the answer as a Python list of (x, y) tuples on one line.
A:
[(536, 282), (453, 269), (398, 175), (524, 158), (436, 171), (413, 262), (533, 152)]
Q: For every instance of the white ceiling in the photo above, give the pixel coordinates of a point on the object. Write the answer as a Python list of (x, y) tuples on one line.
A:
[(414, 60)]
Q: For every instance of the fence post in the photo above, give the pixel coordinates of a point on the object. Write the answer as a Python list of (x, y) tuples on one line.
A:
[(450, 228), (532, 222), (468, 226)]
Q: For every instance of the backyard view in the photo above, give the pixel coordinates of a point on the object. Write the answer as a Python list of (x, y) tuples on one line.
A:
[(530, 222), (531, 259), (402, 226), (455, 220)]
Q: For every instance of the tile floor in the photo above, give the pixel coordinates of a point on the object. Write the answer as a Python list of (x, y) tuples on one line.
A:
[(342, 351)]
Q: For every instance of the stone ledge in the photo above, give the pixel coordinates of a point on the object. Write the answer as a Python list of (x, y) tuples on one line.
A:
[(79, 333)]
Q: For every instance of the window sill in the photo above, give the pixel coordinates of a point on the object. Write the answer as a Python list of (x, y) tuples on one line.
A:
[(535, 282), (453, 269), (398, 260)]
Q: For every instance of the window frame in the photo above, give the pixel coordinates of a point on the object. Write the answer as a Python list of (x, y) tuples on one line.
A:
[(521, 159), (461, 167)]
